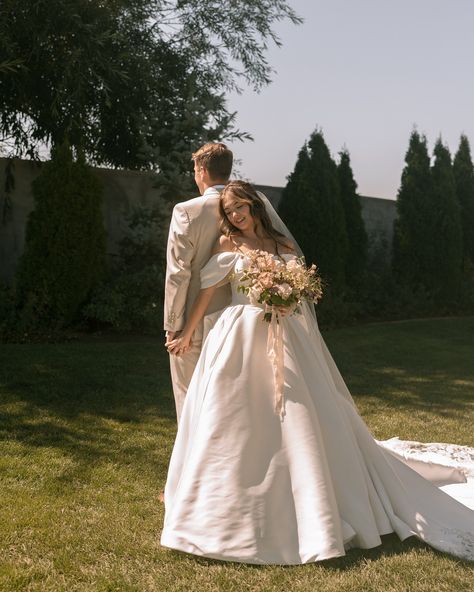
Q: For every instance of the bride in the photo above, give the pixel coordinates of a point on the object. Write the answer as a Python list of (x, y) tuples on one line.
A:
[(245, 484)]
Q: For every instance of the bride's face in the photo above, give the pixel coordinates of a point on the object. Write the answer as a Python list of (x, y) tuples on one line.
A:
[(238, 213)]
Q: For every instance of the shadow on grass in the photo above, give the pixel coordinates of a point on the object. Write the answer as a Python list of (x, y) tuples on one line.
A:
[(418, 365), (121, 381), (79, 397), (391, 546)]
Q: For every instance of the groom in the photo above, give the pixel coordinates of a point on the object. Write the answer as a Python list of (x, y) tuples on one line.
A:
[(193, 232)]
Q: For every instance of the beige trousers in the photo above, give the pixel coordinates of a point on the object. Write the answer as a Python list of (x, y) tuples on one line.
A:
[(182, 368)]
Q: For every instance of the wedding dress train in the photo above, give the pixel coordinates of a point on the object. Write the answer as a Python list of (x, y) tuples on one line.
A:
[(245, 485)]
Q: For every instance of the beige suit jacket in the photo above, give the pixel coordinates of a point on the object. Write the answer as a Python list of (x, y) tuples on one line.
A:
[(194, 229)]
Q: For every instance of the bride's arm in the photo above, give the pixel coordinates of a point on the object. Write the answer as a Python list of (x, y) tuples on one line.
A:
[(182, 343)]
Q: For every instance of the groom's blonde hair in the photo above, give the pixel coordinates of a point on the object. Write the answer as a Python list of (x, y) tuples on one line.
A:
[(216, 158)]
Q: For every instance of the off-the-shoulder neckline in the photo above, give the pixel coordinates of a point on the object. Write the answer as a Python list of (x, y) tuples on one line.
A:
[(242, 254), (239, 254)]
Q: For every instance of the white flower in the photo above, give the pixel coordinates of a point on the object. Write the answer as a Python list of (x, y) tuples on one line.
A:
[(278, 264), (293, 264), (254, 293), (285, 290)]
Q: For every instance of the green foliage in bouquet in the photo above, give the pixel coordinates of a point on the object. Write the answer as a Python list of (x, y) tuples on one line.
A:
[(64, 255), (131, 298)]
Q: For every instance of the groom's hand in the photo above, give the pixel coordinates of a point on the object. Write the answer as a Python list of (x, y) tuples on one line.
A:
[(179, 346), (170, 336), (173, 344)]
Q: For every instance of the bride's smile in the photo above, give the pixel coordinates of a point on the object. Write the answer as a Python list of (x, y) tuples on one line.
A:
[(238, 214)]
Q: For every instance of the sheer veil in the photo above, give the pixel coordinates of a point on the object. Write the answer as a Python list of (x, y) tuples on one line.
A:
[(278, 223), (308, 309), (435, 461)]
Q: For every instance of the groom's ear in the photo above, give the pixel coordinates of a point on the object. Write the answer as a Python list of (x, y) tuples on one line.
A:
[(199, 172), (204, 173)]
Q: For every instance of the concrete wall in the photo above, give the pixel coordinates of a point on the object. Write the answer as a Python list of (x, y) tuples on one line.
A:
[(379, 215), (122, 191)]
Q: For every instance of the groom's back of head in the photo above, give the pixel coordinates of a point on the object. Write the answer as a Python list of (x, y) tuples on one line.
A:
[(216, 158)]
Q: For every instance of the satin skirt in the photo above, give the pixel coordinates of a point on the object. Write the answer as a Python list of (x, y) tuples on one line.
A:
[(246, 485)]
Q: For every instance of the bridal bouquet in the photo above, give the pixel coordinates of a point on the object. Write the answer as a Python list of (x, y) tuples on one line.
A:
[(275, 282)]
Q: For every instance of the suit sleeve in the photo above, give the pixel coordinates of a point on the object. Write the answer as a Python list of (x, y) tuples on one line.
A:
[(179, 254)]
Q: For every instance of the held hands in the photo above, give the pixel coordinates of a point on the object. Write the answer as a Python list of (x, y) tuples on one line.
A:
[(178, 345)]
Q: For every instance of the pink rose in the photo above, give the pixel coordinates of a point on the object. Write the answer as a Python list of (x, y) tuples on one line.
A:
[(266, 280)]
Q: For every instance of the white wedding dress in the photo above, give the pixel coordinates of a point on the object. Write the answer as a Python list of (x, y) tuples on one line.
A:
[(245, 485)]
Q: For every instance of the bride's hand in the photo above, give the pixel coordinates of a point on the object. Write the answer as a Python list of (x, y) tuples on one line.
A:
[(284, 311), (179, 345)]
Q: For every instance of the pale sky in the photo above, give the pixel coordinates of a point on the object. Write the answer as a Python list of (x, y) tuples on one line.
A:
[(365, 72)]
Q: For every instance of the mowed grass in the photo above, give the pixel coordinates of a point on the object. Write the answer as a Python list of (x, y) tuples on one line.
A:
[(87, 430)]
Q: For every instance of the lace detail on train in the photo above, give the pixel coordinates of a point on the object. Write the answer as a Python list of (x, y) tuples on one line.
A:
[(458, 542), (448, 455)]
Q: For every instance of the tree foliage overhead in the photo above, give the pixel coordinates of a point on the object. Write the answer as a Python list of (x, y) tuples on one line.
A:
[(132, 83), (464, 178)]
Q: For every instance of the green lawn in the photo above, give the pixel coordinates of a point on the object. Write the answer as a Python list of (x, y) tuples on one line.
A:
[(87, 429)]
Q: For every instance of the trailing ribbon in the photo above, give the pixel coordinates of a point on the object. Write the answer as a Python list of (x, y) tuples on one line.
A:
[(275, 353)]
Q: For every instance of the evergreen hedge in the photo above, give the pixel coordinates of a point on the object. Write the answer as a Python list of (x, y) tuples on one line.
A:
[(311, 207), (356, 261), (413, 257), (131, 296), (447, 229), (463, 171), (65, 243)]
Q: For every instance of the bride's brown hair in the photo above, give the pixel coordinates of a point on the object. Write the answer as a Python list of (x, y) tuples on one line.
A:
[(246, 193)]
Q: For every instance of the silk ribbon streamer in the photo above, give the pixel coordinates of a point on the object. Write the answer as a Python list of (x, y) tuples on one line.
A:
[(275, 353)]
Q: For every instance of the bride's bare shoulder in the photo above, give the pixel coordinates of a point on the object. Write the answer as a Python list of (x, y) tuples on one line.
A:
[(224, 244)]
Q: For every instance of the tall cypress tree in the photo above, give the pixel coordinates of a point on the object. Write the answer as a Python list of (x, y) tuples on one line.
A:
[(356, 233), (296, 207), (413, 254), (311, 206), (447, 228), (464, 180)]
